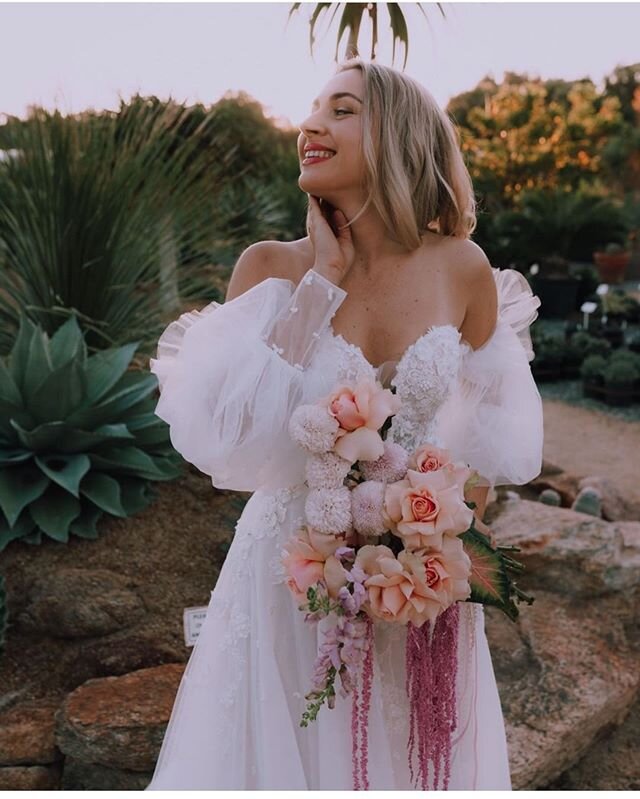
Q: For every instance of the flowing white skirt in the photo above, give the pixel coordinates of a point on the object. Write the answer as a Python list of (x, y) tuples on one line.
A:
[(235, 723)]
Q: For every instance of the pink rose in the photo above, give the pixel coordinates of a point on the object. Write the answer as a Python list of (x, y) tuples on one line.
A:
[(427, 505), (361, 410), (439, 578), (309, 559), (415, 586), (429, 458)]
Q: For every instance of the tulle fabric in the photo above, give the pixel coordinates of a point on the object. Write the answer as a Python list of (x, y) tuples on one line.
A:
[(235, 721), (493, 418), (231, 375)]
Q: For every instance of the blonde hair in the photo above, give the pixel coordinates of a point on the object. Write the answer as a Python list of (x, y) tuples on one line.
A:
[(416, 177)]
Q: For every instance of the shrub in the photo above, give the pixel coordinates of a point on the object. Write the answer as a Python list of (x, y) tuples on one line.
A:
[(621, 373), (592, 369)]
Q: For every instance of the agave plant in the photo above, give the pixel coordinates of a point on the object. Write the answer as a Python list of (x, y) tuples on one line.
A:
[(78, 436)]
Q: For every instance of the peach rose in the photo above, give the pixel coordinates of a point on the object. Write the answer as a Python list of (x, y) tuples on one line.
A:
[(309, 559), (441, 578), (361, 410), (415, 586), (429, 458), (427, 505)]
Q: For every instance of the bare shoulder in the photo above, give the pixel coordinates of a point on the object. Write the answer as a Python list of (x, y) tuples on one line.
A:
[(259, 261), (481, 293)]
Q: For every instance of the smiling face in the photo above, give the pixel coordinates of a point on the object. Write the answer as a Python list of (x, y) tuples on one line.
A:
[(335, 122)]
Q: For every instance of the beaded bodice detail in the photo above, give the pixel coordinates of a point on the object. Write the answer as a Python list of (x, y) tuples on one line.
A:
[(423, 378)]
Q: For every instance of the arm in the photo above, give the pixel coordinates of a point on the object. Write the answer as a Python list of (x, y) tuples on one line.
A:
[(231, 374)]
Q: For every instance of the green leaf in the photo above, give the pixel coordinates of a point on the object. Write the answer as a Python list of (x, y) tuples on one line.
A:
[(54, 511), (61, 393), (65, 470), (20, 530), (490, 584), (133, 388), (43, 437), (38, 366), (19, 486), (19, 357), (67, 344), (104, 369), (14, 455), (104, 492), (9, 392), (127, 460), (134, 494), (85, 526)]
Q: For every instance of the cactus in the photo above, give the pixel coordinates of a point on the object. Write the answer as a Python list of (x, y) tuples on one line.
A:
[(589, 500), (550, 497)]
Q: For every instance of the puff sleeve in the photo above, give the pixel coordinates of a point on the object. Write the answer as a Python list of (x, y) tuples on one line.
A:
[(231, 375), (492, 419)]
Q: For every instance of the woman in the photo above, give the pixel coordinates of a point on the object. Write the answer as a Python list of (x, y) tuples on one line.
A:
[(387, 285)]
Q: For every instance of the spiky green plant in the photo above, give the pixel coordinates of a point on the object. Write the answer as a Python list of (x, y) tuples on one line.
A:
[(78, 436), (91, 206)]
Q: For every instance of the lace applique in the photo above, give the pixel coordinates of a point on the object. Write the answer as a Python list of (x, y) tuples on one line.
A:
[(424, 377)]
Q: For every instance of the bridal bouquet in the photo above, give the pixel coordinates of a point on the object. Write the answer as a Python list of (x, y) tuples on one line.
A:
[(388, 537)]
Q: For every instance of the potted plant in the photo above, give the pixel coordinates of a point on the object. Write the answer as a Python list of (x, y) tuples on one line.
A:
[(622, 379), (633, 342), (552, 281), (592, 372), (612, 262), (550, 358)]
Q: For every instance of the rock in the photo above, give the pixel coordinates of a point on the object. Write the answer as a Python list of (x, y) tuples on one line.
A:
[(79, 776), (30, 778), (73, 602), (570, 553), (611, 764), (614, 505), (119, 722), (566, 673), (27, 736)]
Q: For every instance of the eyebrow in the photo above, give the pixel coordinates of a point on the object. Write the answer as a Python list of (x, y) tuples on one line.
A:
[(337, 96)]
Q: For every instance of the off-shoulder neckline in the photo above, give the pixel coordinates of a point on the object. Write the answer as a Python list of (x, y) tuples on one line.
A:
[(396, 361)]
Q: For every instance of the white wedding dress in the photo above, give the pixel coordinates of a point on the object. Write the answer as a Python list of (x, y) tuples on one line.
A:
[(230, 377)]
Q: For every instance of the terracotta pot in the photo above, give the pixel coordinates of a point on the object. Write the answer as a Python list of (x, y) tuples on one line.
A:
[(611, 266)]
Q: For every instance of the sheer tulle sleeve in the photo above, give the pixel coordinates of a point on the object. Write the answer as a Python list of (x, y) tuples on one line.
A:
[(231, 375), (493, 420)]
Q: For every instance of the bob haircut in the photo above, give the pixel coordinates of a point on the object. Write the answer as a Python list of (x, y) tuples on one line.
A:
[(416, 177)]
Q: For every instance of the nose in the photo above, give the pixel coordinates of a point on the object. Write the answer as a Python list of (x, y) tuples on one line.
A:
[(310, 125)]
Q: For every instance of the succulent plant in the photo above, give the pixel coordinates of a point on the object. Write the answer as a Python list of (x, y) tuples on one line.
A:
[(588, 500), (78, 436), (550, 497)]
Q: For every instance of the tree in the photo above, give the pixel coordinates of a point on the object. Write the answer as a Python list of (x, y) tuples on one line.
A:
[(351, 20)]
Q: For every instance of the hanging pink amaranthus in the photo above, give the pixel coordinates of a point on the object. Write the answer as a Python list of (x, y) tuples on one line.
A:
[(360, 718), (431, 660)]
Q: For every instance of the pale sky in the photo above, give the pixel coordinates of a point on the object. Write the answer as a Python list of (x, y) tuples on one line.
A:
[(76, 56)]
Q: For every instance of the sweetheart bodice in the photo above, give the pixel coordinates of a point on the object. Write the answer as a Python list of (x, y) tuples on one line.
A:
[(422, 377)]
